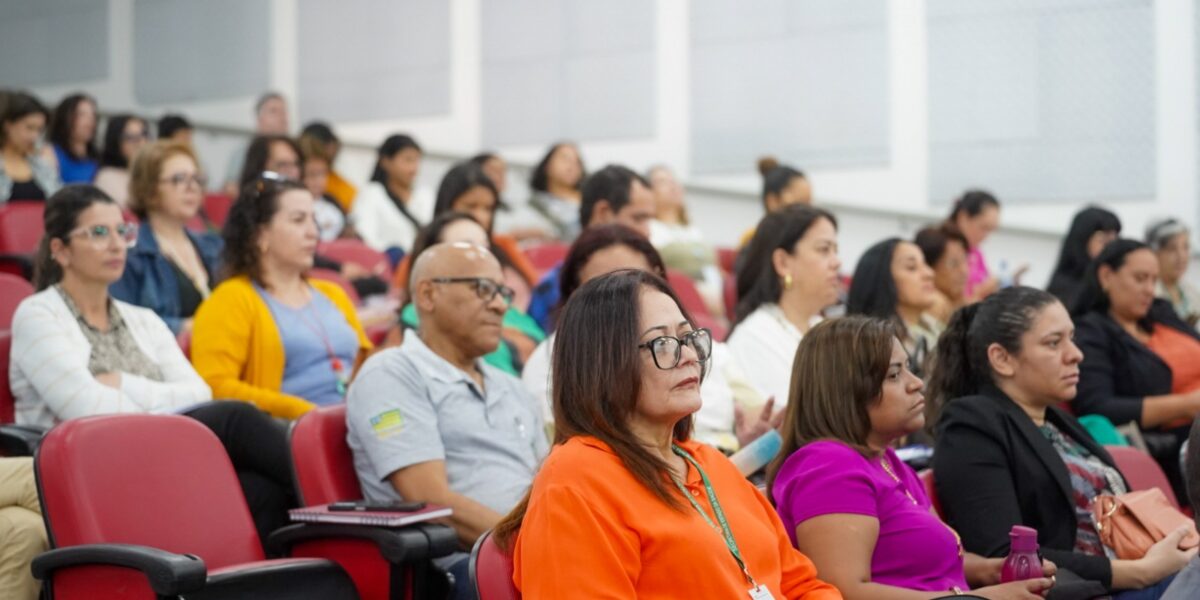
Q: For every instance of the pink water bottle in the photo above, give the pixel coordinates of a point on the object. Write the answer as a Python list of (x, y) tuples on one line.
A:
[(1022, 562)]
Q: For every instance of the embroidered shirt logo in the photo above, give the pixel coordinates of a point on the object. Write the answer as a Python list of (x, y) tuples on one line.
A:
[(387, 423)]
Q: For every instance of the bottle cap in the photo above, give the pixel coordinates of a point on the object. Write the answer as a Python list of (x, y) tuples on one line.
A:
[(1023, 539)]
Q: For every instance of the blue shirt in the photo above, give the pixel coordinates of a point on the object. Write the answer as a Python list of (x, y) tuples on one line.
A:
[(75, 170), (150, 281), (308, 334), (545, 299)]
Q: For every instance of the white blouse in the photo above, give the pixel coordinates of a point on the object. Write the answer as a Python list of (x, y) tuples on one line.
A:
[(49, 373), (764, 344), (381, 225)]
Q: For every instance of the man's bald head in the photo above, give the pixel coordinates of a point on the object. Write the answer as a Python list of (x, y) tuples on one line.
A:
[(453, 259), (448, 283)]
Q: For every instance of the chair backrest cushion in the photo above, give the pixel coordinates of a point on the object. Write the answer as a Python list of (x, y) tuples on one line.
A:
[(157, 480), (21, 227), (1141, 471), (321, 459), (492, 571), (7, 402), (13, 289)]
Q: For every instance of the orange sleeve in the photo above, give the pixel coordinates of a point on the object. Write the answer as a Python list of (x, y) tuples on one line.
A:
[(221, 350), (567, 548), (520, 261), (400, 279)]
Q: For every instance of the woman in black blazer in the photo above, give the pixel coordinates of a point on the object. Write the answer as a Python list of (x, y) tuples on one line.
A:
[(1123, 377), (1006, 455)]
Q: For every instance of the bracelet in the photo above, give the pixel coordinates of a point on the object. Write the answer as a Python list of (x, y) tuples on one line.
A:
[(957, 590)]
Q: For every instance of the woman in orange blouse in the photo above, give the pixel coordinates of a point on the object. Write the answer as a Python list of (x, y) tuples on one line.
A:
[(626, 505)]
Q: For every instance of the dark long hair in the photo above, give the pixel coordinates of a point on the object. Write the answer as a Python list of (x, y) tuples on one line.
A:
[(17, 106), (459, 180), (259, 152), (960, 364), (540, 180), (63, 122), (595, 239), (597, 379), (837, 375), (776, 177), (933, 241), (253, 209), (391, 146), (873, 289), (59, 220), (110, 155), (171, 123), (757, 282), (431, 235), (972, 202), (1091, 296), (1073, 259)]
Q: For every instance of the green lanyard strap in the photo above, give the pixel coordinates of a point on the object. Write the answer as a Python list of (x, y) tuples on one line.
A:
[(725, 531)]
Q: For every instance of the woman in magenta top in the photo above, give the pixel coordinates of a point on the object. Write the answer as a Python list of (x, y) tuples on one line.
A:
[(976, 214), (849, 503)]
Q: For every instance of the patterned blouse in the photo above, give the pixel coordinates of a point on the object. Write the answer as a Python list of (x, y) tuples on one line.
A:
[(1090, 477), (113, 351)]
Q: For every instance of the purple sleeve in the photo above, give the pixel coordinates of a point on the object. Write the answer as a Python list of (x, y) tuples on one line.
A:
[(824, 478)]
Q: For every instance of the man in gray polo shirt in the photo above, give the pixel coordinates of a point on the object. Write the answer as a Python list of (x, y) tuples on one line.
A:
[(430, 421)]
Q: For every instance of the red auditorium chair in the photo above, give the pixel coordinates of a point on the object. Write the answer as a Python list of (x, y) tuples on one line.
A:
[(1141, 471), (139, 506), (385, 564), (926, 476), (20, 227), (546, 256), (354, 251), (13, 290), (20, 231), (492, 571), (685, 288), (335, 277), (216, 208), (726, 257), (15, 440), (731, 298), (7, 401)]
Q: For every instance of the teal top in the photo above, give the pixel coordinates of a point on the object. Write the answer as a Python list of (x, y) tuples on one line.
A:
[(502, 358)]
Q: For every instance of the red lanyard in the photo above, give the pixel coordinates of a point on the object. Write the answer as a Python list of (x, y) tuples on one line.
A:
[(335, 362)]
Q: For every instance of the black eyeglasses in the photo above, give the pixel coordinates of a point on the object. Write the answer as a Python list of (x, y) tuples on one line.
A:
[(668, 350), (485, 288)]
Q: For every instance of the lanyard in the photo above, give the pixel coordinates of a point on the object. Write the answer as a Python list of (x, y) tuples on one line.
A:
[(335, 363), (725, 531)]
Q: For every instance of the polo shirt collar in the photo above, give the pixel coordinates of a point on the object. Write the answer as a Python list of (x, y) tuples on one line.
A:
[(438, 368)]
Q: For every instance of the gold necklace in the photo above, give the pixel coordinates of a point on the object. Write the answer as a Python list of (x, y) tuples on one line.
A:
[(887, 468)]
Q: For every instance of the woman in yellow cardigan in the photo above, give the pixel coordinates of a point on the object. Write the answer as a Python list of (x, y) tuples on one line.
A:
[(269, 335)]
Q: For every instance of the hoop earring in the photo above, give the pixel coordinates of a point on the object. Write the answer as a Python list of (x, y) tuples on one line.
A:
[(787, 282)]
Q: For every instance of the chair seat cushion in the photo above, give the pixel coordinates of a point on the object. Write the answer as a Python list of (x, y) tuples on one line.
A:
[(282, 579)]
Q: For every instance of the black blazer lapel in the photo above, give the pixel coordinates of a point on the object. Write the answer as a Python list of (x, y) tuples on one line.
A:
[(1037, 443)]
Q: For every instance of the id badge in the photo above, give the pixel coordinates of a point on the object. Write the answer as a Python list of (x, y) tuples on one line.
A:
[(760, 592)]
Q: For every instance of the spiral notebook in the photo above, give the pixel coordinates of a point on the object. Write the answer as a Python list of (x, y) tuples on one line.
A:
[(377, 518)]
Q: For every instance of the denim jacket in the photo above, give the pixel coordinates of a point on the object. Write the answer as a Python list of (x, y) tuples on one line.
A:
[(150, 281)]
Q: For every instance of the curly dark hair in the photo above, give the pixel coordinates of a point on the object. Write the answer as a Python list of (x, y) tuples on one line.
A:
[(255, 206)]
